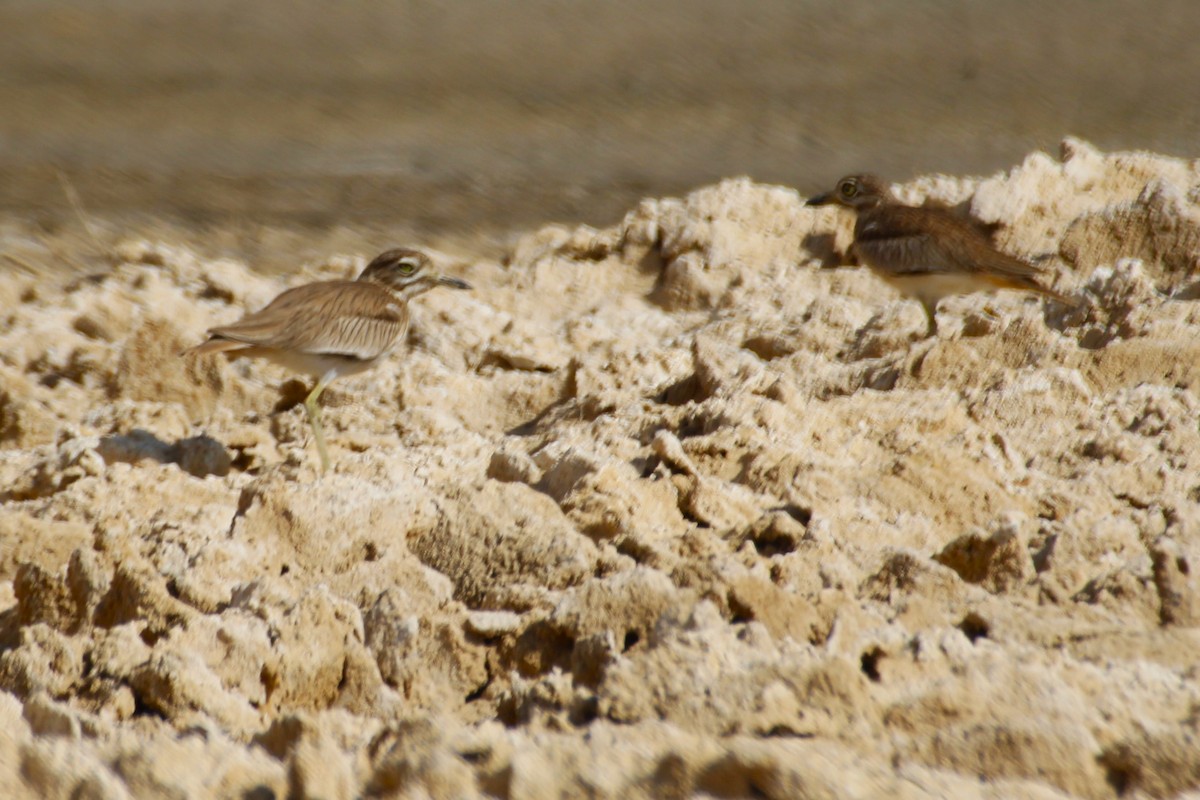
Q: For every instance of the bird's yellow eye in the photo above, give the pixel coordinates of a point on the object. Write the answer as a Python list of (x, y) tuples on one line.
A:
[(407, 267), (848, 188)]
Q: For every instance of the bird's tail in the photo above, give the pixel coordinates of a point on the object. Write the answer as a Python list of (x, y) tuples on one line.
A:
[(214, 345), (1028, 284), (1059, 297)]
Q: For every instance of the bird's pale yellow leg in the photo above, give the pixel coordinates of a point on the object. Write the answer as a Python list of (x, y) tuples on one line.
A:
[(930, 316), (314, 417)]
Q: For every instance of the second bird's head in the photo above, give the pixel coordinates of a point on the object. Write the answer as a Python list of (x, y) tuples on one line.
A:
[(854, 191), (408, 273)]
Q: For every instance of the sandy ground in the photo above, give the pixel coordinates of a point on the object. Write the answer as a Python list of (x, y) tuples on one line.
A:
[(666, 509)]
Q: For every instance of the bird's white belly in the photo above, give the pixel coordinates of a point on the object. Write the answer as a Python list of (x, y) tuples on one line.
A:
[(318, 365), (930, 288)]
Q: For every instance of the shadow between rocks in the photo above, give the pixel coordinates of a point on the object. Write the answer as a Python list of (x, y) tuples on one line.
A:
[(199, 456)]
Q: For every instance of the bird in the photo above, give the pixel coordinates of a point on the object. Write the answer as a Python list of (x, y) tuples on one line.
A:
[(332, 329), (927, 252)]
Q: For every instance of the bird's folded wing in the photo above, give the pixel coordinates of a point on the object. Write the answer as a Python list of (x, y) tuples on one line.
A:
[(906, 254), (998, 263), (922, 254), (352, 336), (334, 318)]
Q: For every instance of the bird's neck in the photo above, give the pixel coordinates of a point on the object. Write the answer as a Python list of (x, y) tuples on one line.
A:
[(406, 293), (874, 204), (872, 210)]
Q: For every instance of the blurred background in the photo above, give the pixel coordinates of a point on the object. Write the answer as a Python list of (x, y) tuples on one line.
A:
[(292, 126)]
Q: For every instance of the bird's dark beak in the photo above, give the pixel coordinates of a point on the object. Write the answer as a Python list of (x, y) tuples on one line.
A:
[(454, 283), (821, 200)]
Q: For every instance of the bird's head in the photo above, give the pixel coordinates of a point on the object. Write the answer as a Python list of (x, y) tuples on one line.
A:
[(854, 191), (407, 273)]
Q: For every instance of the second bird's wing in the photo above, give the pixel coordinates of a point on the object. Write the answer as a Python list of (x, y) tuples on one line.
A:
[(907, 241)]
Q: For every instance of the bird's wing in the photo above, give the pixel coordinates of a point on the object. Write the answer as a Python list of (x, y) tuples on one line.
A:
[(347, 318), (898, 239), (1023, 274), (895, 244)]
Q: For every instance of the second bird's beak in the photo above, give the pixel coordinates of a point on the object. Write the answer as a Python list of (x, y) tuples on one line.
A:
[(454, 283), (821, 200)]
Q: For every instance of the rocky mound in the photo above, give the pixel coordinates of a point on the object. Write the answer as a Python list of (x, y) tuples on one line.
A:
[(666, 509)]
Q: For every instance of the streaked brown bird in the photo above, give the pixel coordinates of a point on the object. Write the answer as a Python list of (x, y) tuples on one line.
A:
[(332, 329), (927, 253)]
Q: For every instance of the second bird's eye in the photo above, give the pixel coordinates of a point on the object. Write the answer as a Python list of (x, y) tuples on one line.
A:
[(849, 188), (407, 268)]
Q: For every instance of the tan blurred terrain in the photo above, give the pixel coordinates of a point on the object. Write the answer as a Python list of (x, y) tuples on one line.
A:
[(664, 509), (431, 118)]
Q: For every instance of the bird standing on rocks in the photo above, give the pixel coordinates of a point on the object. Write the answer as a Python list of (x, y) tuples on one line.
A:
[(926, 253), (332, 329)]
